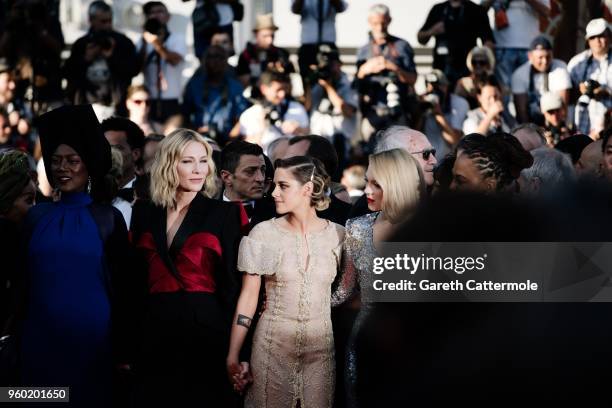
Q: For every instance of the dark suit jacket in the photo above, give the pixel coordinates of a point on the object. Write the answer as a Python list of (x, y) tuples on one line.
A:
[(337, 211)]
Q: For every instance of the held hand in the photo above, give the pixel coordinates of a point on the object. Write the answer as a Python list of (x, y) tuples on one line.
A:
[(583, 88), (238, 374)]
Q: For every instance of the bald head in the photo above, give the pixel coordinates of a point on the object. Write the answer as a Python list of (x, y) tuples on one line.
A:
[(530, 136), (589, 163), (412, 141)]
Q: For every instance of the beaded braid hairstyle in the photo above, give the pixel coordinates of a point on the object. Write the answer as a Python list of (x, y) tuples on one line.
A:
[(308, 169), (499, 155)]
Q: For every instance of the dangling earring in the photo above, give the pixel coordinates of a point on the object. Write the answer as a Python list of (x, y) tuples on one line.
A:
[(88, 185)]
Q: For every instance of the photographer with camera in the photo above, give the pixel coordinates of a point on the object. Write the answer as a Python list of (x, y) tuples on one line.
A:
[(444, 113), (213, 101), (332, 101), (556, 127), (456, 25), (101, 65), (262, 55), (490, 116), (276, 115), (385, 75), (161, 53), (591, 73), (541, 73)]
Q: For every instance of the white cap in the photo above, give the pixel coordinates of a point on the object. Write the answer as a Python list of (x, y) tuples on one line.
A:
[(596, 27), (550, 101)]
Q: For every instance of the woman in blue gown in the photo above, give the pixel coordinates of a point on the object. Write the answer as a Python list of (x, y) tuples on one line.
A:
[(75, 248)]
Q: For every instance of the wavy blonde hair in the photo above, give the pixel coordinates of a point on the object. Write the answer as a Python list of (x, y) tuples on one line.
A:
[(400, 176), (164, 173)]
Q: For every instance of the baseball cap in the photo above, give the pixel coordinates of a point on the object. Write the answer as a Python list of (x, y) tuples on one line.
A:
[(436, 76), (595, 27), (550, 101), (541, 42)]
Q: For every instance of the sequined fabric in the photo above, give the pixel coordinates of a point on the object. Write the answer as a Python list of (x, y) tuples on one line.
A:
[(358, 256), (293, 350)]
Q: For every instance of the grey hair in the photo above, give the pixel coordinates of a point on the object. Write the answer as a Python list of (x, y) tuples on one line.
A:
[(379, 9), (394, 137), (98, 6), (552, 167)]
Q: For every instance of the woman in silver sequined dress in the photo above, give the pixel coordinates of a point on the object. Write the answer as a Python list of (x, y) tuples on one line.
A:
[(394, 189)]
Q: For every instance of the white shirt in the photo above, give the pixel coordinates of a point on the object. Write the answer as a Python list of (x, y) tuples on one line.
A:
[(558, 79), (256, 129), (601, 71), (473, 119), (459, 108), (124, 206), (171, 75), (524, 25), (310, 21)]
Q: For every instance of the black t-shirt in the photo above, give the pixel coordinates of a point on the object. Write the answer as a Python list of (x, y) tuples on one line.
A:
[(463, 26)]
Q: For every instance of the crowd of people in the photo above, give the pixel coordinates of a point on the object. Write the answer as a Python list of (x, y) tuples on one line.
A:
[(171, 246)]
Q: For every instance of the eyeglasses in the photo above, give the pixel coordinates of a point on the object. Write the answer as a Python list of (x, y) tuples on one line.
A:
[(426, 153), (141, 101)]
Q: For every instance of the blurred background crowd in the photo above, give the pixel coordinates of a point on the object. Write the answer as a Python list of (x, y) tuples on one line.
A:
[(480, 67)]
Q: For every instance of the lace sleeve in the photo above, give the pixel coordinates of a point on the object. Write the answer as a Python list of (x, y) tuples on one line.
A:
[(257, 257), (348, 277)]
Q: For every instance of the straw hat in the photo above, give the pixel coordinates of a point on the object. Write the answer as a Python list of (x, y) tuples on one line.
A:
[(264, 21)]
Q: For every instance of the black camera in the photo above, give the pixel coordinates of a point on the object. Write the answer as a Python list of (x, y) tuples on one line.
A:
[(154, 26), (323, 69), (273, 116), (591, 86)]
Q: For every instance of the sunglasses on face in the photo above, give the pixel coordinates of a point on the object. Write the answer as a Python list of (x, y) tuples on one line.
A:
[(480, 63), (426, 153), (141, 101)]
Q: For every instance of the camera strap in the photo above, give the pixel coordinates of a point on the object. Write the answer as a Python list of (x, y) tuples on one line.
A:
[(532, 74), (222, 102), (589, 61)]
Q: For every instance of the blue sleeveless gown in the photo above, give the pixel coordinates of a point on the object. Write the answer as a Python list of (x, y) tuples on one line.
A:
[(66, 332)]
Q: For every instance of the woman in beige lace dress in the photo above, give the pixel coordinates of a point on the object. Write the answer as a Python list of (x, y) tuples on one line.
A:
[(292, 359)]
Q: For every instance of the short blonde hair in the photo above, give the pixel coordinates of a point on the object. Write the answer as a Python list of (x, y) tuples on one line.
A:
[(164, 174), (400, 176)]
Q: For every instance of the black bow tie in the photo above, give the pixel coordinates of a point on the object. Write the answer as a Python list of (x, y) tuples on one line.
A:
[(249, 208), (127, 194)]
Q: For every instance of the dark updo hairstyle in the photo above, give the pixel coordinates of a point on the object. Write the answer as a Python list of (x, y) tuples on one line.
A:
[(499, 155), (306, 169)]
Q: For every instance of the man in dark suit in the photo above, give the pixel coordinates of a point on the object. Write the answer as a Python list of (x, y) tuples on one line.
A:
[(243, 172), (322, 149)]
